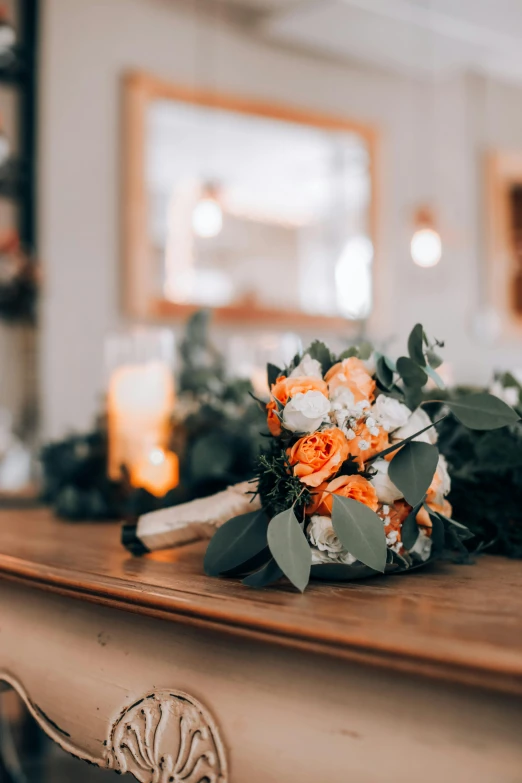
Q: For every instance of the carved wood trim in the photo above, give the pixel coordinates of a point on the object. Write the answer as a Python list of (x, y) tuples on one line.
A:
[(165, 737), (52, 729)]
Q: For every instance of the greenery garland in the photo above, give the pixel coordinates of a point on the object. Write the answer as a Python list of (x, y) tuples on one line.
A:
[(486, 475)]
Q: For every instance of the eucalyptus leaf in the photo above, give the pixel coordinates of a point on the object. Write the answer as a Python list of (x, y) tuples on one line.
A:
[(410, 528), (401, 443), (348, 353), (289, 548), (273, 372), (438, 536), (463, 532), (415, 345), (269, 573), (391, 363), (433, 358), (236, 542), (365, 350), (319, 351), (411, 373), (434, 375), (412, 470), (360, 531), (384, 373), (482, 411), (413, 397)]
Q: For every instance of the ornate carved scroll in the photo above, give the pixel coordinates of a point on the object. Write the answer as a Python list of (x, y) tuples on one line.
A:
[(167, 737)]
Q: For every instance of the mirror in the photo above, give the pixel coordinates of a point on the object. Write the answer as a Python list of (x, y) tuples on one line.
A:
[(264, 213)]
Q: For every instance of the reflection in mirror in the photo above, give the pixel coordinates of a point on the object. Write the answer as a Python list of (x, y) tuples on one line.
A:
[(254, 213)]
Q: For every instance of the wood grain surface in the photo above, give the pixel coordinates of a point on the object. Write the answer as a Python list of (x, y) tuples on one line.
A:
[(459, 623)]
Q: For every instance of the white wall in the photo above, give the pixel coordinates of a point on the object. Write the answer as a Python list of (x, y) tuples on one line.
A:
[(429, 154)]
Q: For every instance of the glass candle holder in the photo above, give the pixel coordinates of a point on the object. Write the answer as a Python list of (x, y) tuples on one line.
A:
[(140, 402)]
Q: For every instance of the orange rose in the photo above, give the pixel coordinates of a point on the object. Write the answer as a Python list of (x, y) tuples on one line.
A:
[(317, 497), (280, 392), (353, 375), (304, 384), (316, 457), (356, 487), (376, 443), (285, 388), (423, 518)]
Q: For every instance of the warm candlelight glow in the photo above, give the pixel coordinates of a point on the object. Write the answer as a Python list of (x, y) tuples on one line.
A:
[(157, 473), (140, 404)]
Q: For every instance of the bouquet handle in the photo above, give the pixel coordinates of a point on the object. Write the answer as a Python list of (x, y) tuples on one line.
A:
[(189, 522)]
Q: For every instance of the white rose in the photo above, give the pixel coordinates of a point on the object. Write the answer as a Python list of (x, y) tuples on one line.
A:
[(322, 535), (386, 490), (422, 547), (309, 367), (390, 413), (417, 421), (306, 412), (343, 399)]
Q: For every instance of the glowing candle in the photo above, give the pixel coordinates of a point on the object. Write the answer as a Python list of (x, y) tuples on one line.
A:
[(140, 402), (157, 473)]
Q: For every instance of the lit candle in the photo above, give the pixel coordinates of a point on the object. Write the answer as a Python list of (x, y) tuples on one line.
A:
[(157, 473), (140, 403)]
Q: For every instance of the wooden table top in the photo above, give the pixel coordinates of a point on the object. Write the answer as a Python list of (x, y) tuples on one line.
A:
[(459, 623)]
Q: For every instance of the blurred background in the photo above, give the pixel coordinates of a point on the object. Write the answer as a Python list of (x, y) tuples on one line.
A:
[(306, 168)]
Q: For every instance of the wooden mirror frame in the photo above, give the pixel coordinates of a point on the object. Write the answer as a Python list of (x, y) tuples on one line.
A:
[(503, 172), (140, 302)]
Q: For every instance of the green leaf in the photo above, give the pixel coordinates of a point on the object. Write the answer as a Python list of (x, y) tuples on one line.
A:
[(384, 373), (433, 358), (411, 373), (391, 364), (413, 397), (318, 350), (365, 350), (348, 353), (415, 345), (402, 443), (272, 372), (289, 548), (434, 375), (482, 411), (360, 531), (235, 542), (270, 572), (463, 532), (410, 528), (438, 536), (412, 470)]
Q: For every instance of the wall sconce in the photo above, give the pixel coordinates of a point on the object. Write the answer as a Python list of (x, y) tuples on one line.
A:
[(426, 245), (207, 218)]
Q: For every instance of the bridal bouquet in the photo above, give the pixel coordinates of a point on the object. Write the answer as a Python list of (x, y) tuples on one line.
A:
[(353, 484)]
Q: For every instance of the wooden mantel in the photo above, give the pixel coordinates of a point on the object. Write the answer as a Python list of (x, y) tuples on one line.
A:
[(460, 623), (123, 661)]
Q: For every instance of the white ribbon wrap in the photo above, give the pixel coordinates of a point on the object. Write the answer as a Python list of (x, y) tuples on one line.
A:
[(196, 520)]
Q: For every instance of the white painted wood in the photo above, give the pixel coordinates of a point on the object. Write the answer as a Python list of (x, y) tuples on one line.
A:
[(274, 715)]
